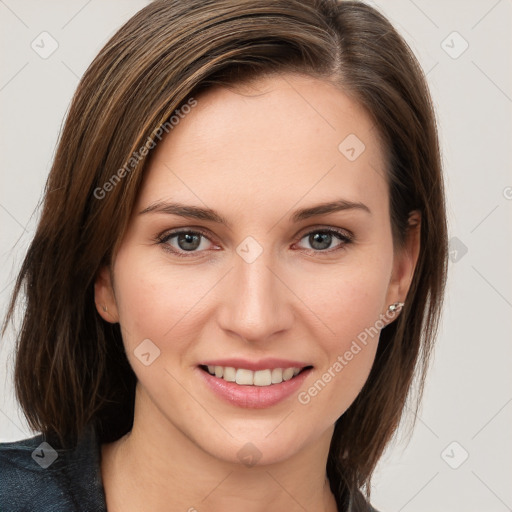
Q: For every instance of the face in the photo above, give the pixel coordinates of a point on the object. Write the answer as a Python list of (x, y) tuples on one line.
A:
[(230, 267)]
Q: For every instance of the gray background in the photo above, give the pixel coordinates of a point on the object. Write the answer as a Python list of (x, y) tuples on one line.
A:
[(458, 457)]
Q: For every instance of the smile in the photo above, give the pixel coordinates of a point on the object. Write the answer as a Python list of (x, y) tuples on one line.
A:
[(253, 385), (245, 377)]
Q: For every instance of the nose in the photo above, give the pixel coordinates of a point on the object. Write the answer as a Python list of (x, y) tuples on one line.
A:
[(256, 302)]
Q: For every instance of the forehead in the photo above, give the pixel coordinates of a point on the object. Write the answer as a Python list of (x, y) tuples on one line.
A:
[(278, 138)]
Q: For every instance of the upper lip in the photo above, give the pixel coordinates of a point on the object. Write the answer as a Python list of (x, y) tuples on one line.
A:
[(262, 364)]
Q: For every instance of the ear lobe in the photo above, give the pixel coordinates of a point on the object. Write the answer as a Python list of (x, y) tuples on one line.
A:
[(104, 296)]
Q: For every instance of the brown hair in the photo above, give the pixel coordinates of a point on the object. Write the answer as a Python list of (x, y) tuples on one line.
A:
[(71, 368)]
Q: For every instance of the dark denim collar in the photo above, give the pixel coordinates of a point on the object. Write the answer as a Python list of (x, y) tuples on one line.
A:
[(37, 476)]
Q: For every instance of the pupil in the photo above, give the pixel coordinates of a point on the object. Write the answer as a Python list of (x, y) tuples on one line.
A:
[(188, 239), (322, 239)]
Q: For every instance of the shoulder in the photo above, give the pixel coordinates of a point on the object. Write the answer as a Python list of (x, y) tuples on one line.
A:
[(37, 476)]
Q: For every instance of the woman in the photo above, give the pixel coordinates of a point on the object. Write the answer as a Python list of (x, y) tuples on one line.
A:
[(240, 263)]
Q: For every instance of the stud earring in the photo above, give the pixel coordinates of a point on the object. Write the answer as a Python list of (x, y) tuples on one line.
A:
[(395, 306), (104, 308)]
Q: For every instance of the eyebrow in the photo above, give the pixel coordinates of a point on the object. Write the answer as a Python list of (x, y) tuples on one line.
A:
[(207, 214)]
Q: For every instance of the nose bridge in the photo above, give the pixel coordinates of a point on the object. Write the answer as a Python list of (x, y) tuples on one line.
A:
[(255, 307)]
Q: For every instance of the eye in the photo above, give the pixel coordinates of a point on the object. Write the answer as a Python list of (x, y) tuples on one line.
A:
[(187, 242), (321, 240), (183, 242)]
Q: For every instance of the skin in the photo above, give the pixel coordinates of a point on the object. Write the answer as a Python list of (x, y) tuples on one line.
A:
[(255, 155)]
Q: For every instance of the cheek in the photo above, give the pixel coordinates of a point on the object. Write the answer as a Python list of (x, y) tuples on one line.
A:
[(349, 303), (156, 301), (346, 299)]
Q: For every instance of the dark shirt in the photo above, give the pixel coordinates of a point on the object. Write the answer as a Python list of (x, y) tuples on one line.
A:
[(34, 477), (33, 480)]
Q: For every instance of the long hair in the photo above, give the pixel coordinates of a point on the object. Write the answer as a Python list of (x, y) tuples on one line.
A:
[(71, 369)]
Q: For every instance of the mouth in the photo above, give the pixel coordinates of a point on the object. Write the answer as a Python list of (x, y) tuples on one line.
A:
[(261, 378), (262, 385)]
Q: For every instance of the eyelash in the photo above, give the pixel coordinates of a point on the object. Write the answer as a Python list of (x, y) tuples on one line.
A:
[(164, 238)]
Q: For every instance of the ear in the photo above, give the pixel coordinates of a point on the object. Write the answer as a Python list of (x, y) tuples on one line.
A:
[(104, 296), (405, 261)]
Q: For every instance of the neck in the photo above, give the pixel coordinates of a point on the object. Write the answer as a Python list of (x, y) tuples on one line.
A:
[(157, 467)]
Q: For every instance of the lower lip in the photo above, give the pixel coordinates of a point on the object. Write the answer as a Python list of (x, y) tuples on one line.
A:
[(253, 397)]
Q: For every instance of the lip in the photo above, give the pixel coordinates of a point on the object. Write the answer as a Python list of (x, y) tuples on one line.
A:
[(253, 397), (263, 364)]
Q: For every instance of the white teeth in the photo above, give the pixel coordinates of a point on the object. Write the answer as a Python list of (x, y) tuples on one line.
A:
[(277, 375), (261, 378), (244, 377), (229, 374), (288, 374)]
